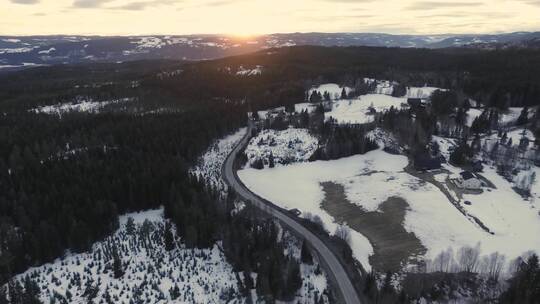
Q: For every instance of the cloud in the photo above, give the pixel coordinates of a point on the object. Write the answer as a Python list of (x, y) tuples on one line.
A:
[(134, 6), (429, 5), (469, 14), (142, 5), (350, 1), (89, 3), (25, 1), (220, 3), (131, 6), (531, 2)]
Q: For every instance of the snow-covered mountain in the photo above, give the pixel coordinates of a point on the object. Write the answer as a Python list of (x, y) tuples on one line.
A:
[(18, 52)]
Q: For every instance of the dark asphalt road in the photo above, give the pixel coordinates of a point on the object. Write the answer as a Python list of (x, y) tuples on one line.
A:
[(334, 267)]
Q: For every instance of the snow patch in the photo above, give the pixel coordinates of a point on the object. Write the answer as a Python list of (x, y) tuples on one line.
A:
[(286, 146)]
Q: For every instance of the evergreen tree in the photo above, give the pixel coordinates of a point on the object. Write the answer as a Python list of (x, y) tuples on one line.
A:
[(523, 117), (130, 226), (16, 292), (524, 286), (174, 292), (271, 163), (258, 164), (326, 96), (305, 254), (461, 154), (118, 269), (31, 292), (3, 296), (168, 237), (294, 280), (343, 93)]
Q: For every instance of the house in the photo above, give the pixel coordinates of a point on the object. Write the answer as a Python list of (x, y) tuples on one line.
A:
[(467, 180), (425, 162)]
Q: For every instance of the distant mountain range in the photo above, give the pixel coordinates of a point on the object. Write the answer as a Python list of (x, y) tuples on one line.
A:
[(20, 52)]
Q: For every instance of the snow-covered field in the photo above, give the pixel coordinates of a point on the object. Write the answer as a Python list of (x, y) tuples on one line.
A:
[(333, 89), (249, 72), (372, 178), (421, 92), (80, 105), (356, 110), (286, 146), (202, 276)]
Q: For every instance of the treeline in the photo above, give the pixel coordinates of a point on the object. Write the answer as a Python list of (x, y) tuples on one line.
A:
[(415, 134), (470, 278), (342, 141), (63, 182), (501, 78), (252, 246)]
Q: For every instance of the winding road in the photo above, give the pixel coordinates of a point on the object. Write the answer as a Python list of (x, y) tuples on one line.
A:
[(330, 262)]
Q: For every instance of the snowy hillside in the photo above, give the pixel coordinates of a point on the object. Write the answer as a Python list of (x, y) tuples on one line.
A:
[(286, 146), (331, 88), (357, 110), (249, 72), (151, 274), (18, 52), (81, 104), (420, 92), (209, 165)]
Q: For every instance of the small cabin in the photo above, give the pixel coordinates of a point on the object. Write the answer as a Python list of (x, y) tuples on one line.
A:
[(467, 180)]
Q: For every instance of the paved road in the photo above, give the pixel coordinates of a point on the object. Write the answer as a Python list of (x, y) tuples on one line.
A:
[(334, 267)]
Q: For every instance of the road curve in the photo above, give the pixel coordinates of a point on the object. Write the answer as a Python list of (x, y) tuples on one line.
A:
[(333, 266)]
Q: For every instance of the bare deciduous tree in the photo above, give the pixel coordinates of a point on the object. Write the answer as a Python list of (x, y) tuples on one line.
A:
[(468, 258), (343, 233)]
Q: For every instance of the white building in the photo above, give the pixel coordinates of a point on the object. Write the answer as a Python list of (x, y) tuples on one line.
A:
[(467, 180)]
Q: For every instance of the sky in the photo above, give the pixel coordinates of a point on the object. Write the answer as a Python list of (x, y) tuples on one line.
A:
[(252, 17)]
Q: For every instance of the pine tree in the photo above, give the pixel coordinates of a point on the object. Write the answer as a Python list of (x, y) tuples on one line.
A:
[(343, 94), (271, 163), (130, 226), (524, 284), (117, 264), (168, 237), (523, 116), (3, 296), (16, 292), (305, 254), (31, 292), (294, 279), (174, 292)]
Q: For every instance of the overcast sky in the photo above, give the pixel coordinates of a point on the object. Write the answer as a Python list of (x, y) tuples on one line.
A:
[(247, 17)]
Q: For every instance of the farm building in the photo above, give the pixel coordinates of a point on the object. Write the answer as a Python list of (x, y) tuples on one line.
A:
[(467, 180)]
